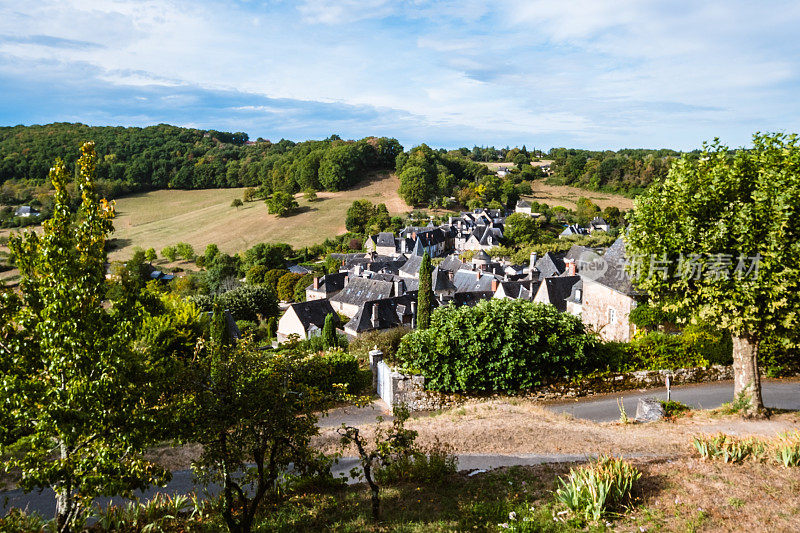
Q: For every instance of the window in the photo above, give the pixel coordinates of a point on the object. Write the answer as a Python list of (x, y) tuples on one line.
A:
[(612, 315)]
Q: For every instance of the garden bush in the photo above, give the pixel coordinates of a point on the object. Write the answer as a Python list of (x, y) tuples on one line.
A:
[(498, 345), (387, 341), (335, 367)]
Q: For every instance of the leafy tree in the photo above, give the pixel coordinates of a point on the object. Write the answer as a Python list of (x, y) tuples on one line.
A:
[(245, 446), (211, 253), (415, 188), (586, 210), (271, 255), (272, 277), (705, 222), (185, 250), (150, 255), (425, 294), (281, 203), (300, 287), (237, 203), (329, 332), (247, 302), (169, 253), (70, 385), (249, 194), (223, 269), (255, 275), (310, 195), (358, 215), (521, 229), (285, 286)]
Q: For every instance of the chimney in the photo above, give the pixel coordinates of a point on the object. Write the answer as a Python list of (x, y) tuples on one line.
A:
[(399, 287), (450, 275), (478, 274), (375, 315), (346, 279), (571, 267), (534, 259), (413, 314), (494, 284), (316, 283), (357, 270), (413, 235)]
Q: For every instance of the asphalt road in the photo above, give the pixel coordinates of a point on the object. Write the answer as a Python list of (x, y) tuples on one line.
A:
[(777, 394)]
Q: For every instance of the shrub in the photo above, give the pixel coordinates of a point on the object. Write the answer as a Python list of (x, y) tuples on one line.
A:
[(335, 367), (433, 464), (787, 449), (387, 341), (502, 345), (591, 491), (673, 408)]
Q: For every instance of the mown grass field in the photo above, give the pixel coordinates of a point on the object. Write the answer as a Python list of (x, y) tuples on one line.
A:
[(161, 218), (566, 196)]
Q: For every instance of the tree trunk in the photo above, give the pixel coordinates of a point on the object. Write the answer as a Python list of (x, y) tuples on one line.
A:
[(746, 377), (66, 506)]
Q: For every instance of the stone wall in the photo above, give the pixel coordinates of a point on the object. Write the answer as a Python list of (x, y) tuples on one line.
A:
[(395, 388)]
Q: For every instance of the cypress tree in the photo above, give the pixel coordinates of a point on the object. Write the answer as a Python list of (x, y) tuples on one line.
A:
[(425, 295), (329, 332)]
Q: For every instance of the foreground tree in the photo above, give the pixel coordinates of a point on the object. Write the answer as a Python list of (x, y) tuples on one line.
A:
[(71, 387), (719, 239), (425, 294), (254, 418)]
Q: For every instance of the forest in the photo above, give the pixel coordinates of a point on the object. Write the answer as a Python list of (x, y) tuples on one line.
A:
[(164, 156)]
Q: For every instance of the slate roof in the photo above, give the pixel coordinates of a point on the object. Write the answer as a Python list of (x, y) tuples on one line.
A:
[(467, 281), (330, 283), (360, 290), (573, 230), (411, 284), (299, 269), (386, 239), (598, 221), (558, 290), (452, 263), (441, 281), (411, 266), (615, 277), (25, 210), (471, 298), (522, 289), (313, 312), (390, 313), (550, 264), (523, 203)]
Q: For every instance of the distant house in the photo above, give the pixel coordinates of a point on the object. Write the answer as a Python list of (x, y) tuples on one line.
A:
[(304, 319), (327, 286), (384, 314), (517, 290), (524, 207), (359, 290), (574, 229), (550, 264), (598, 224), (161, 276), (26, 211), (607, 296)]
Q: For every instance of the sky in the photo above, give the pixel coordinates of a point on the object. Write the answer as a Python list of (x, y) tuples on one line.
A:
[(591, 74)]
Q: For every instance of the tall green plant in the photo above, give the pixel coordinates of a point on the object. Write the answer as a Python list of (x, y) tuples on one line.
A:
[(722, 230), (425, 295), (70, 385), (329, 331)]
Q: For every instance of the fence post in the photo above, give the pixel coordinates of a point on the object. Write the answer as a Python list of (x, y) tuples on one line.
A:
[(375, 357)]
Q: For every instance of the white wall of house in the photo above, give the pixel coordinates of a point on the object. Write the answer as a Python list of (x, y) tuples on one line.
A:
[(289, 324), (607, 311)]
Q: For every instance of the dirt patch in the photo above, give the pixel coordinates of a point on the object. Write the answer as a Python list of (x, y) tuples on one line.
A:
[(566, 196), (522, 426)]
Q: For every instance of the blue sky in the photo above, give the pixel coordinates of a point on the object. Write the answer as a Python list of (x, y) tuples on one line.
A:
[(588, 73)]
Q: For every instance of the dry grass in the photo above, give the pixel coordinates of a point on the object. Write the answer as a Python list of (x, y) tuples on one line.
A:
[(566, 196), (162, 218), (511, 426)]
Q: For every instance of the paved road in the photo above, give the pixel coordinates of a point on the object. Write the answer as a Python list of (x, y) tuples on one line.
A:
[(43, 502), (777, 394)]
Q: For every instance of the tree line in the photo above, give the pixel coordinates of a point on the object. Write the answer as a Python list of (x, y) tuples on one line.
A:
[(164, 156)]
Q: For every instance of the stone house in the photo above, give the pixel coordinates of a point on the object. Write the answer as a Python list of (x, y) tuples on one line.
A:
[(325, 287), (607, 296), (304, 319)]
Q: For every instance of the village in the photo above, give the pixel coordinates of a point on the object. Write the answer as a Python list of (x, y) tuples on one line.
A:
[(377, 290)]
